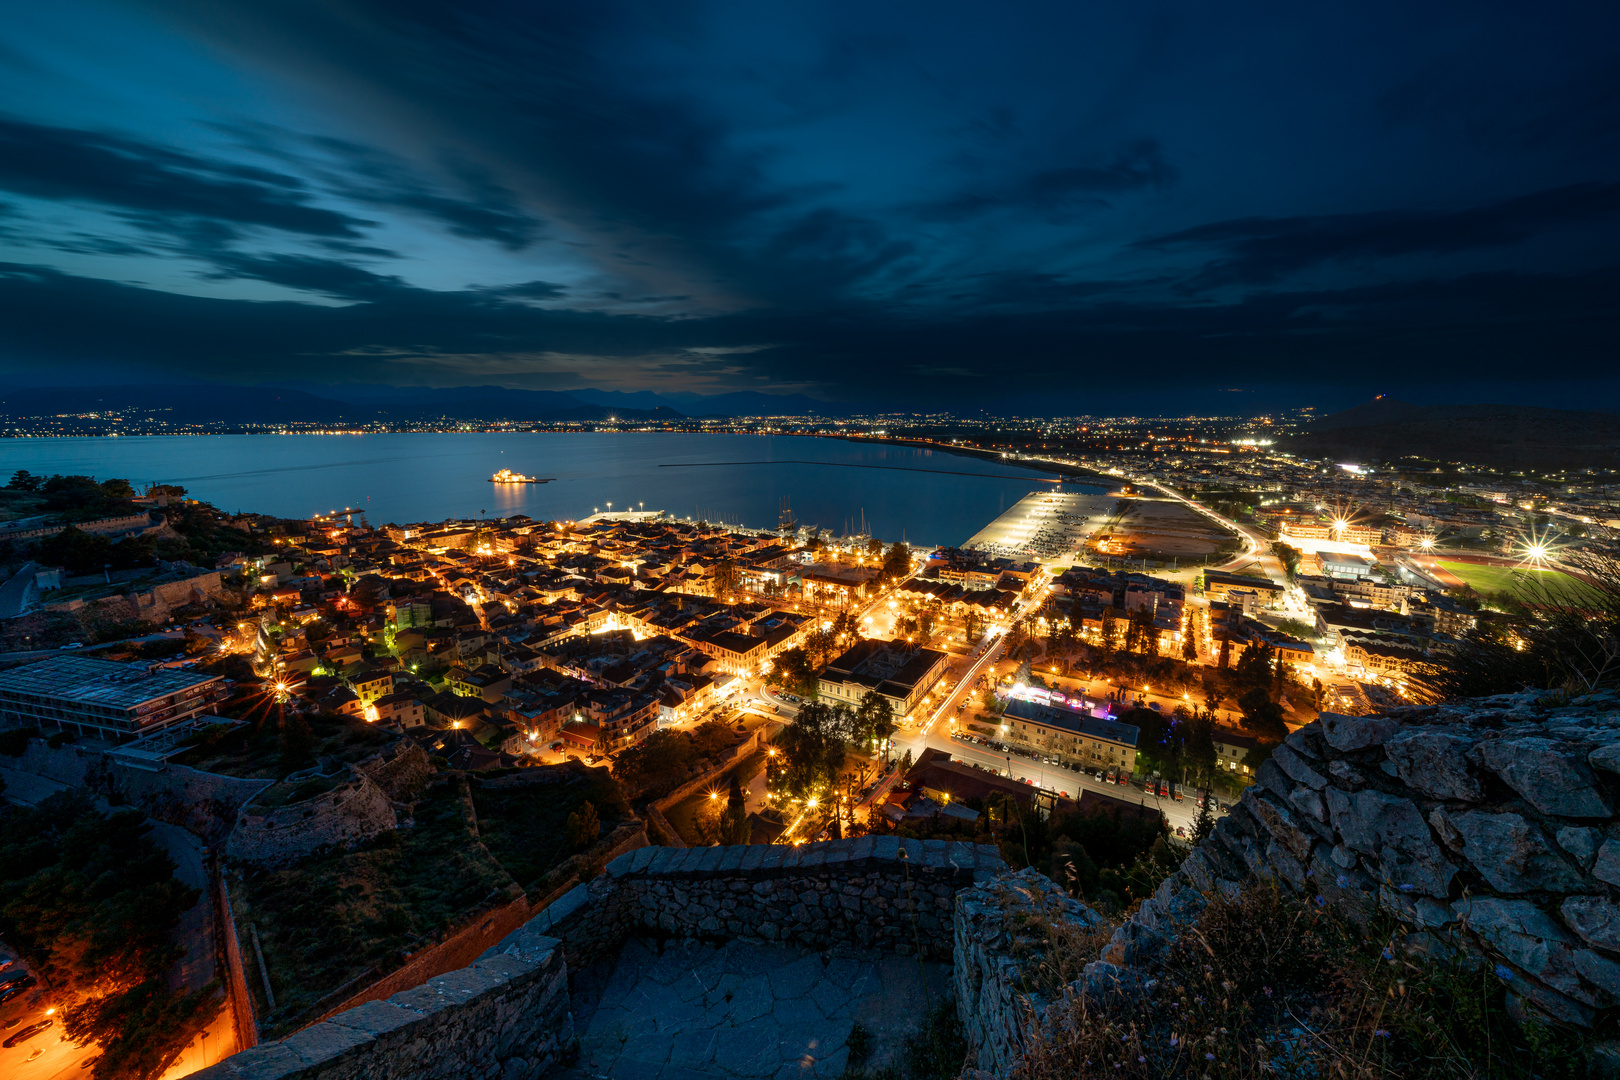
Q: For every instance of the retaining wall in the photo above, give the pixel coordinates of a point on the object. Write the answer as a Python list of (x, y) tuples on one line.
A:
[(354, 812), (506, 1015), (202, 803)]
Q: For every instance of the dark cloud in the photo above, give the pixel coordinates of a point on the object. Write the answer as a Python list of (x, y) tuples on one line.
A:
[(884, 203), (327, 276), (125, 174), (1056, 193), (1265, 250), (1478, 327), (487, 212)]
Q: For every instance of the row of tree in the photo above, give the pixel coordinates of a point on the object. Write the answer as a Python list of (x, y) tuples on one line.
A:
[(92, 904)]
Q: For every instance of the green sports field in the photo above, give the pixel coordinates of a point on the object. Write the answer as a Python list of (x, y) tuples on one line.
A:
[(1525, 584)]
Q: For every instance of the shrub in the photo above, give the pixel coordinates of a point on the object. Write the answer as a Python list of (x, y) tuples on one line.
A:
[(1266, 983)]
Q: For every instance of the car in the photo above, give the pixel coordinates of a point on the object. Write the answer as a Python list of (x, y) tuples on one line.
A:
[(27, 1033), (74, 645), (15, 987)]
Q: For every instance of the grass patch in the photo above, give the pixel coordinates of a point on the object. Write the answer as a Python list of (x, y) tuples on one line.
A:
[(1528, 585), (346, 914), (525, 826), (1267, 984)]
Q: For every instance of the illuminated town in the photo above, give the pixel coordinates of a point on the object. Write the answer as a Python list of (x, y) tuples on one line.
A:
[(722, 541)]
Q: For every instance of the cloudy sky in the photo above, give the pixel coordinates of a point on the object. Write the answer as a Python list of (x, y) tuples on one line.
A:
[(910, 203)]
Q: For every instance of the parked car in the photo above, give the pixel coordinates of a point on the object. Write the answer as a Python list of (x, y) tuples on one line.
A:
[(74, 645), (24, 1034), (15, 987)]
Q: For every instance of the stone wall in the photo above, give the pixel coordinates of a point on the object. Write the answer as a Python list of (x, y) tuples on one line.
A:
[(995, 945), (203, 803), (355, 811), (1495, 818), (402, 770), (507, 1016), (872, 893)]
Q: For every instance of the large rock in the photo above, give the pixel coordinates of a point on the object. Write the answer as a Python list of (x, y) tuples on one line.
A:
[(1552, 776), (1297, 768), (1392, 830), (1595, 918), (1527, 937), (1513, 854), (1432, 763), (1346, 733)]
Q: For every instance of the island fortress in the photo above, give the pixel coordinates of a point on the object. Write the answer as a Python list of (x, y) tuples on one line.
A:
[(1493, 819)]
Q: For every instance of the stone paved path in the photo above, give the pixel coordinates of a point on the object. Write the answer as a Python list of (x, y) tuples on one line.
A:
[(681, 1010)]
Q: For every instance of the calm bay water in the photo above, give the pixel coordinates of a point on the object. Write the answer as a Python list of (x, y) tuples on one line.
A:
[(432, 476)]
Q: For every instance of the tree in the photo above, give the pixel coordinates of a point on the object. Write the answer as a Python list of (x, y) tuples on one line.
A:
[(657, 763), (814, 747), (1200, 750), (118, 489), (725, 578), (874, 721), (897, 564), (734, 827), (874, 547), (1261, 715), (583, 827), (1203, 822), (1226, 654), (1289, 556), (793, 672), (92, 904), (23, 480)]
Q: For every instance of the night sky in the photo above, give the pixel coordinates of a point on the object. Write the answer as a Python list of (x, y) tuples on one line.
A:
[(1041, 207)]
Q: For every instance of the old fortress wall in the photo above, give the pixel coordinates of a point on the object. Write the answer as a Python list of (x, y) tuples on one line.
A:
[(506, 1016), (1493, 820)]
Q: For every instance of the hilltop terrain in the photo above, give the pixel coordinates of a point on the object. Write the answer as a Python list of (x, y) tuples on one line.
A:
[(1505, 436)]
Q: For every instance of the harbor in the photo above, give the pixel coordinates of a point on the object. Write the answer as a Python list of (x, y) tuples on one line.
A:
[(1048, 525)]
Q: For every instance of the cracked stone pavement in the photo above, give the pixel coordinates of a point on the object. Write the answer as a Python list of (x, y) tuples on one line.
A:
[(682, 1009)]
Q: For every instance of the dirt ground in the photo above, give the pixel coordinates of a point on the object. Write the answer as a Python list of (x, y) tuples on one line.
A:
[(1163, 528)]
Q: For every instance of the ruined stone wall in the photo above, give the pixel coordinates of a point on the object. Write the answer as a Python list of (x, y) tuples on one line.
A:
[(401, 770), (354, 812), (1495, 818), (879, 893), (507, 1016), (203, 803), (504, 1017)]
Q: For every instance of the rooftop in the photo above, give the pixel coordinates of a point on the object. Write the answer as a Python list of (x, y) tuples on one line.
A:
[(98, 682)]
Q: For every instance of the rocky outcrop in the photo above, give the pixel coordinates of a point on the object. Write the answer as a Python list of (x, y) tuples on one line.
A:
[(1494, 818)]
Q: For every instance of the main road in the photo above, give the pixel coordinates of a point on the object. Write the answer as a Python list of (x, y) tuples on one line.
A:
[(935, 733)]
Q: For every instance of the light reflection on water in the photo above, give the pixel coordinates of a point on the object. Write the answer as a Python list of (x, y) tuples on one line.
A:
[(432, 476)]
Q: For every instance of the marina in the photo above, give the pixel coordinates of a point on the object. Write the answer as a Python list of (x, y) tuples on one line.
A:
[(1048, 525)]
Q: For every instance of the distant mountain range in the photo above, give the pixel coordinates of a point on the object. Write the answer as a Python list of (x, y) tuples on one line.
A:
[(201, 403), (1504, 436)]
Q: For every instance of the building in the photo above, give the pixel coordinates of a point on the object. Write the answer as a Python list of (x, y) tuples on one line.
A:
[(1232, 749), (1340, 565), (1384, 657), (1217, 585), (901, 672), (1071, 736), (102, 699)]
